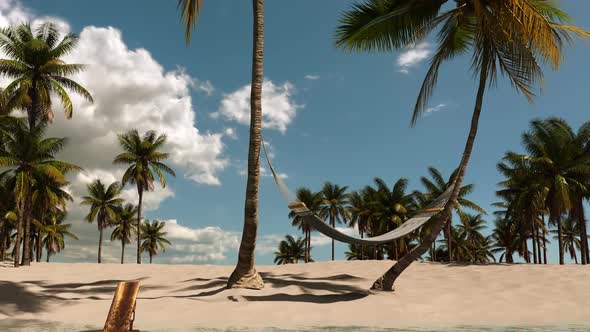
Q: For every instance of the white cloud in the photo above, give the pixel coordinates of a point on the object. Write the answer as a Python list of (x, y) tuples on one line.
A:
[(231, 133), (205, 86), (436, 108), (200, 245), (312, 77), (413, 56), (278, 107)]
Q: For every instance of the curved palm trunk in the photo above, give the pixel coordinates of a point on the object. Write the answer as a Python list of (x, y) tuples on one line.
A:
[(245, 275), (385, 282), (139, 208)]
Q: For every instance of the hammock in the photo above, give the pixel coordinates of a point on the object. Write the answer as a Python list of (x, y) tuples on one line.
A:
[(301, 210)]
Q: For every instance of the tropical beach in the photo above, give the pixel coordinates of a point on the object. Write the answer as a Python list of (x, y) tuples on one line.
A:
[(298, 296), (389, 164)]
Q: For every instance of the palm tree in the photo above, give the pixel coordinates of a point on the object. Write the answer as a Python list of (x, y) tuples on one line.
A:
[(570, 237), (153, 237), (559, 165), (470, 228), (36, 65), (505, 239), (55, 232), (145, 158), (512, 37), (438, 185), (245, 275), (360, 216), (124, 225), (313, 202), (7, 222), (25, 153), (103, 202), (49, 197), (291, 251), (391, 208), (334, 206)]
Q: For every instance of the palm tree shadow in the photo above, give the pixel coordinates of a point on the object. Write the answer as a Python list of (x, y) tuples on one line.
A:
[(308, 298), (16, 298)]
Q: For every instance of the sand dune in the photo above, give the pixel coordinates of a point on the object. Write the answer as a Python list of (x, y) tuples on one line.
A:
[(315, 294)]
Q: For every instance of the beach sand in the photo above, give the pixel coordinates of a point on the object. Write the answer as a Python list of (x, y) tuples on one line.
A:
[(304, 295)]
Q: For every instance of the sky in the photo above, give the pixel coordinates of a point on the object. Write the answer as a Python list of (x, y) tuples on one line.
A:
[(328, 115)]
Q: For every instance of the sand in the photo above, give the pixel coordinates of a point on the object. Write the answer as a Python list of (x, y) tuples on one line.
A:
[(304, 295)]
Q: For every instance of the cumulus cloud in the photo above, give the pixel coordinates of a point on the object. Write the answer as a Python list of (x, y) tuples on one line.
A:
[(413, 56), (278, 107), (131, 90)]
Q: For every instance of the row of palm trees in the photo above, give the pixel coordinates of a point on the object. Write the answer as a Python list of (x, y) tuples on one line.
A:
[(551, 179), (109, 210)]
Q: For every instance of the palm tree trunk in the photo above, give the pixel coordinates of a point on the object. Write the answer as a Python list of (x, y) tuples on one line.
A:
[(533, 240), (39, 247), (544, 241), (47, 258), (150, 257), (3, 245), (582, 227), (362, 249), (573, 253), (100, 242), (122, 251), (385, 282), (449, 240), (27, 238), (245, 275), (139, 208), (559, 239), (332, 223)]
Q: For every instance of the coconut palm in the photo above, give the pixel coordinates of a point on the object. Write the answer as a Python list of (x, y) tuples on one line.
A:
[(244, 275), (334, 206), (470, 228), (38, 71), (55, 232), (153, 238), (512, 37), (145, 158), (291, 251), (7, 214), (570, 237), (313, 202), (26, 153), (559, 165), (505, 239), (124, 225), (435, 186), (103, 202), (49, 197), (360, 215)]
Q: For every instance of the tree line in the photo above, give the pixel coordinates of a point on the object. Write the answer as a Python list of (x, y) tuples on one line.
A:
[(541, 198)]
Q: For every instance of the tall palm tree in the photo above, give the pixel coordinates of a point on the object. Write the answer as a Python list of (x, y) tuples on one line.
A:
[(435, 187), (124, 225), (153, 238), (26, 152), (291, 251), (360, 216), (55, 232), (7, 208), (560, 166), (145, 158), (334, 206), (513, 37), (36, 65), (103, 202), (245, 275), (313, 202)]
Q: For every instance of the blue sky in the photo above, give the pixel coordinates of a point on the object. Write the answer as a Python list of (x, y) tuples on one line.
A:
[(352, 112)]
